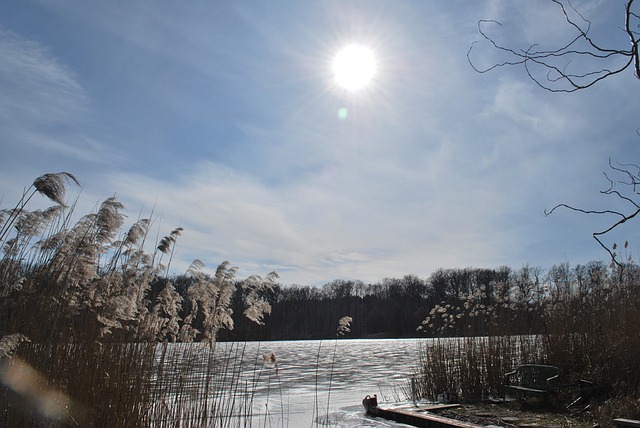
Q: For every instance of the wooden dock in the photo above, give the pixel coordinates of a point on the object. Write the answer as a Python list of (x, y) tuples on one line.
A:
[(419, 416)]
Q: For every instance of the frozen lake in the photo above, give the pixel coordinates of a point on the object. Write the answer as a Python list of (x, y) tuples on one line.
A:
[(315, 383)]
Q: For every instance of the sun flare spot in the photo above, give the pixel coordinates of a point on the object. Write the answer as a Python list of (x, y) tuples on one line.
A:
[(354, 67)]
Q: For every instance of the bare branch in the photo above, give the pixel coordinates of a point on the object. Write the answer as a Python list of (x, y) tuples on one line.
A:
[(551, 69), (630, 172), (580, 210)]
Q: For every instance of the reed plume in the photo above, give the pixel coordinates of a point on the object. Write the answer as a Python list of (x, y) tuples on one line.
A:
[(254, 286), (344, 326), (9, 344), (53, 185)]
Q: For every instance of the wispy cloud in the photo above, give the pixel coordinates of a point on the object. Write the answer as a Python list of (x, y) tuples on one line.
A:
[(32, 79), (223, 119), (42, 108)]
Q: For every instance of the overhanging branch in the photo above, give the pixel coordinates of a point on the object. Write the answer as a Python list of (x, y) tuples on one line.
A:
[(631, 179), (552, 69)]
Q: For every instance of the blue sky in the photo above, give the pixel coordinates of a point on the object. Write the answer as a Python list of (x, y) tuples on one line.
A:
[(224, 117)]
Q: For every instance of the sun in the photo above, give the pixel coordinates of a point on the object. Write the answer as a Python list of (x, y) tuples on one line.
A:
[(354, 67)]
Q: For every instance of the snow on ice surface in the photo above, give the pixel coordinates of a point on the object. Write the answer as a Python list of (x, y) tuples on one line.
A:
[(322, 383)]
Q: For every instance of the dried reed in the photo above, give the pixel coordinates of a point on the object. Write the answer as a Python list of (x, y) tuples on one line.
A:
[(585, 320), (84, 306)]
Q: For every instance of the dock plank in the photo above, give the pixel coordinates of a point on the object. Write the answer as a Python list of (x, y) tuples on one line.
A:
[(419, 417)]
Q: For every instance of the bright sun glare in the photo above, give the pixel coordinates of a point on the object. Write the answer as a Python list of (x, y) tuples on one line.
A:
[(354, 67)]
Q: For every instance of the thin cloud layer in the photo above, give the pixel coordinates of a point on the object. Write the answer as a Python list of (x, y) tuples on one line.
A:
[(225, 120)]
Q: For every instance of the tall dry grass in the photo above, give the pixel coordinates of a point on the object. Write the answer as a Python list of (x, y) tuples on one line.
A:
[(593, 331), (471, 367), (84, 305), (585, 320)]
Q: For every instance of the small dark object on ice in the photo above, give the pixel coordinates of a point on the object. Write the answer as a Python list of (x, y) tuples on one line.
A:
[(369, 402)]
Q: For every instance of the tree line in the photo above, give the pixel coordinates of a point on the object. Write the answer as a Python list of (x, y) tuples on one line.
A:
[(474, 300)]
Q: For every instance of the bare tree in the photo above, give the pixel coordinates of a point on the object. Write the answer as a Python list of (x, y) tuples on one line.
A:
[(625, 186), (579, 62)]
